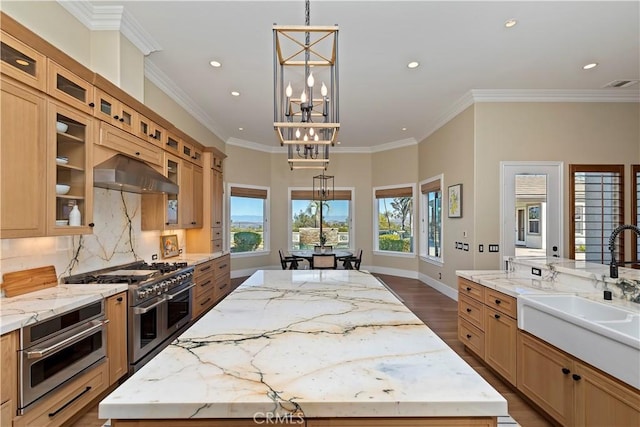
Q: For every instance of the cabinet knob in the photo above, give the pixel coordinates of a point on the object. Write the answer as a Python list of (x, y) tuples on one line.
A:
[(468, 336), (137, 153), (576, 377), (119, 299), (498, 301), (193, 223), (566, 371), (116, 117), (468, 310), (497, 316), (468, 289), (152, 135), (121, 119), (91, 224), (91, 104), (166, 223)]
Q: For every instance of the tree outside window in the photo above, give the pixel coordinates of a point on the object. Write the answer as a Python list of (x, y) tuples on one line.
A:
[(395, 219), (247, 225)]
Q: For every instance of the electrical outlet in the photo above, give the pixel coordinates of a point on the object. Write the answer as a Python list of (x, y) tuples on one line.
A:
[(154, 257), (536, 271), (494, 248), (480, 248), (465, 247)]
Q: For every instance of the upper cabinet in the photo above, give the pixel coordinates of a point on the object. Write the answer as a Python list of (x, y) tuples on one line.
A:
[(22, 63), (70, 164), (23, 155), (69, 88), (173, 143), (111, 110), (149, 131)]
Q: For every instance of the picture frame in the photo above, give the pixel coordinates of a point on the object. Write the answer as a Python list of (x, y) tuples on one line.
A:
[(169, 245), (455, 201)]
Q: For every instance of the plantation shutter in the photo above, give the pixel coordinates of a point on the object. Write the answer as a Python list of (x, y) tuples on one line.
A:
[(254, 193), (389, 193)]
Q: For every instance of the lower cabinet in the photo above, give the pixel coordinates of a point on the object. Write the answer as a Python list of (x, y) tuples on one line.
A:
[(222, 276), (55, 409), (9, 375), (117, 336), (571, 392), (204, 290)]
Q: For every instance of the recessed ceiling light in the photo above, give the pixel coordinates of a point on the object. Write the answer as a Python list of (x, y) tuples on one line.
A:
[(404, 128), (590, 66), (215, 64), (235, 93), (510, 23), (240, 128), (413, 64)]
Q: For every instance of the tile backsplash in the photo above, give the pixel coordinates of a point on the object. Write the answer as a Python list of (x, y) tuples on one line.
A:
[(117, 239)]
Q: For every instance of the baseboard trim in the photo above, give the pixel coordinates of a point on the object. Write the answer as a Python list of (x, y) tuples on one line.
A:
[(439, 286)]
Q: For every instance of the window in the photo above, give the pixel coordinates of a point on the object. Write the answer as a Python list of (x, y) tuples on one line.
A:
[(305, 220), (431, 209), (394, 219), (248, 230), (635, 209), (534, 219), (597, 207)]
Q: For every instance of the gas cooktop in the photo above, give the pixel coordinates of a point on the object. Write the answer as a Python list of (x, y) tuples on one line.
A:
[(134, 273)]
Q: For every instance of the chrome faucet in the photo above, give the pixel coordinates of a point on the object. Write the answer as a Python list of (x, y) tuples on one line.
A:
[(613, 265)]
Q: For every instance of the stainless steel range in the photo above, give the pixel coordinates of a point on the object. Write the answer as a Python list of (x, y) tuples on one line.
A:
[(159, 304)]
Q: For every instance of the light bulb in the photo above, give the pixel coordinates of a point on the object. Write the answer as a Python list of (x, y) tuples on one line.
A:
[(311, 132), (316, 138), (310, 80), (289, 90), (306, 137), (297, 133), (303, 97), (324, 90)]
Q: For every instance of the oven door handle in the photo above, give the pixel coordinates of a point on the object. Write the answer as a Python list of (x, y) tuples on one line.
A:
[(39, 353), (138, 310), (172, 296)]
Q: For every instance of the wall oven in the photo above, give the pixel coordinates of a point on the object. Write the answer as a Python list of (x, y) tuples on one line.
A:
[(55, 350)]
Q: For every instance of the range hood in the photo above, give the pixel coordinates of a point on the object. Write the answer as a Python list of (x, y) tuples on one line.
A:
[(124, 173)]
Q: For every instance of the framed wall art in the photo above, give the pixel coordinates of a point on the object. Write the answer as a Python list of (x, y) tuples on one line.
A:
[(455, 201), (169, 245)]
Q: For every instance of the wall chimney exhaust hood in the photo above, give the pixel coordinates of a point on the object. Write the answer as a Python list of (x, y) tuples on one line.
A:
[(124, 173)]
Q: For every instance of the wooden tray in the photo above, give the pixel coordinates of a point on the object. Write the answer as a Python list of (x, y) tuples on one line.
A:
[(25, 281)]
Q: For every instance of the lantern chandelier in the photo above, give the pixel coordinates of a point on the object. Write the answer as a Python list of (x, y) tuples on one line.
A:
[(305, 122)]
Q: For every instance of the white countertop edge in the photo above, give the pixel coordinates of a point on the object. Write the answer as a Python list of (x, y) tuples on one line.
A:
[(23, 310), (204, 410)]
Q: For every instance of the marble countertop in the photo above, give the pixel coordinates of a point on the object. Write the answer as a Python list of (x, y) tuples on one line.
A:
[(306, 343), (26, 309), (196, 258)]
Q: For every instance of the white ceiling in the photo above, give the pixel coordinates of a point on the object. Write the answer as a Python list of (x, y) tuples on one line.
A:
[(461, 46)]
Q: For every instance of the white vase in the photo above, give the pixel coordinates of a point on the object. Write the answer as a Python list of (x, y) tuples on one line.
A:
[(75, 216)]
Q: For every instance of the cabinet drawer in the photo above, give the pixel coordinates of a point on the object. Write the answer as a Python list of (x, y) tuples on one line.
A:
[(126, 143), (471, 336), (223, 287), (203, 268), (216, 233), (202, 303), (501, 302), (58, 407), (471, 311), (204, 284), (216, 245), (222, 266), (471, 289)]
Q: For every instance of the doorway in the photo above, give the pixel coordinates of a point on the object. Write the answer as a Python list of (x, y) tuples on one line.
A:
[(531, 209)]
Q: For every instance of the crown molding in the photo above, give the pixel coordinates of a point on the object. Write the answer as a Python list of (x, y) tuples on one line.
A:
[(394, 145), (111, 18), (458, 107), (555, 95), (165, 84), (255, 146)]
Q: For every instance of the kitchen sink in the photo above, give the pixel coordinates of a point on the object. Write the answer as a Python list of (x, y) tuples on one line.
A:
[(600, 333)]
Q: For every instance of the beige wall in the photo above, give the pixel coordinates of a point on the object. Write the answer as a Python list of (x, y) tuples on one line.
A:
[(450, 151), (574, 133)]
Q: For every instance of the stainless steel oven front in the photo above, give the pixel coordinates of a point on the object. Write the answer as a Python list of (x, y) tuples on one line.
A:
[(55, 350)]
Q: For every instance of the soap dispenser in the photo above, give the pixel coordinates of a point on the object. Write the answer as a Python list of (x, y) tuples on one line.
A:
[(75, 216)]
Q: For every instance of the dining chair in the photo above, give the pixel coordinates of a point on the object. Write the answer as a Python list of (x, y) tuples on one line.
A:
[(318, 248), (352, 262), (289, 261), (324, 262)]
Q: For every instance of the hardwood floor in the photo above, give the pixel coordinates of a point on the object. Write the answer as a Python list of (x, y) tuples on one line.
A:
[(440, 313)]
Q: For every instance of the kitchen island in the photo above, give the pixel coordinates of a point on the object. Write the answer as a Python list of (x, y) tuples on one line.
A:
[(306, 347)]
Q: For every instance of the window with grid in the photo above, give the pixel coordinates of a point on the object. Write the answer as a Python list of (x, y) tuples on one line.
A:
[(635, 209), (431, 218), (305, 220), (596, 208), (394, 219), (248, 229)]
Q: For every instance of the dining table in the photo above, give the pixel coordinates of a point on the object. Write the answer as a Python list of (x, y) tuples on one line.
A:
[(307, 254)]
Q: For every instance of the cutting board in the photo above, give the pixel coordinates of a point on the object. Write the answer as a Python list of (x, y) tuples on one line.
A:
[(25, 281)]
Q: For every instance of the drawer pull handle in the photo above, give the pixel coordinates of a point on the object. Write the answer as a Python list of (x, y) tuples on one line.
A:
[(468, 336), (566, 371), (119, 299), (223, 286), (222, 266), (498, 301), (205, 302), (497, 316), (576, 377), (57, 411), (468, 310), (205, 268), (207, 283)]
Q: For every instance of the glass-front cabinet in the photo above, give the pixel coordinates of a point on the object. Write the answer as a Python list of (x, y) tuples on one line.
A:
[(111, 110), (22, 63), (69, 88), (164, 211), (70, 175), (173, 165)]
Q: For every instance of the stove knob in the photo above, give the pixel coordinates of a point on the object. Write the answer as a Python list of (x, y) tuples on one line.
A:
[(142, 293), (156, 289)]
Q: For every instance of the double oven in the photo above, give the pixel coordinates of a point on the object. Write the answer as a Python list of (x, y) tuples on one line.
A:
[(55, 350)]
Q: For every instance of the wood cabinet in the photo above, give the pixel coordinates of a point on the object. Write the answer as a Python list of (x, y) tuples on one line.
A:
[(126, 143), (67, 87), (164, 211), (60, 405), (69, 163), (117, 336), (487, 326), (114, 112), (204, 291), (190, 197), (9, 372), (23, 178), (23, 63), (222, 276), (570, 391), (149, 131), (191, 151), (173, 143)]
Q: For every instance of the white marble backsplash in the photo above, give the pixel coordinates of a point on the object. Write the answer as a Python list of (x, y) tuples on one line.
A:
[(117, 239)]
